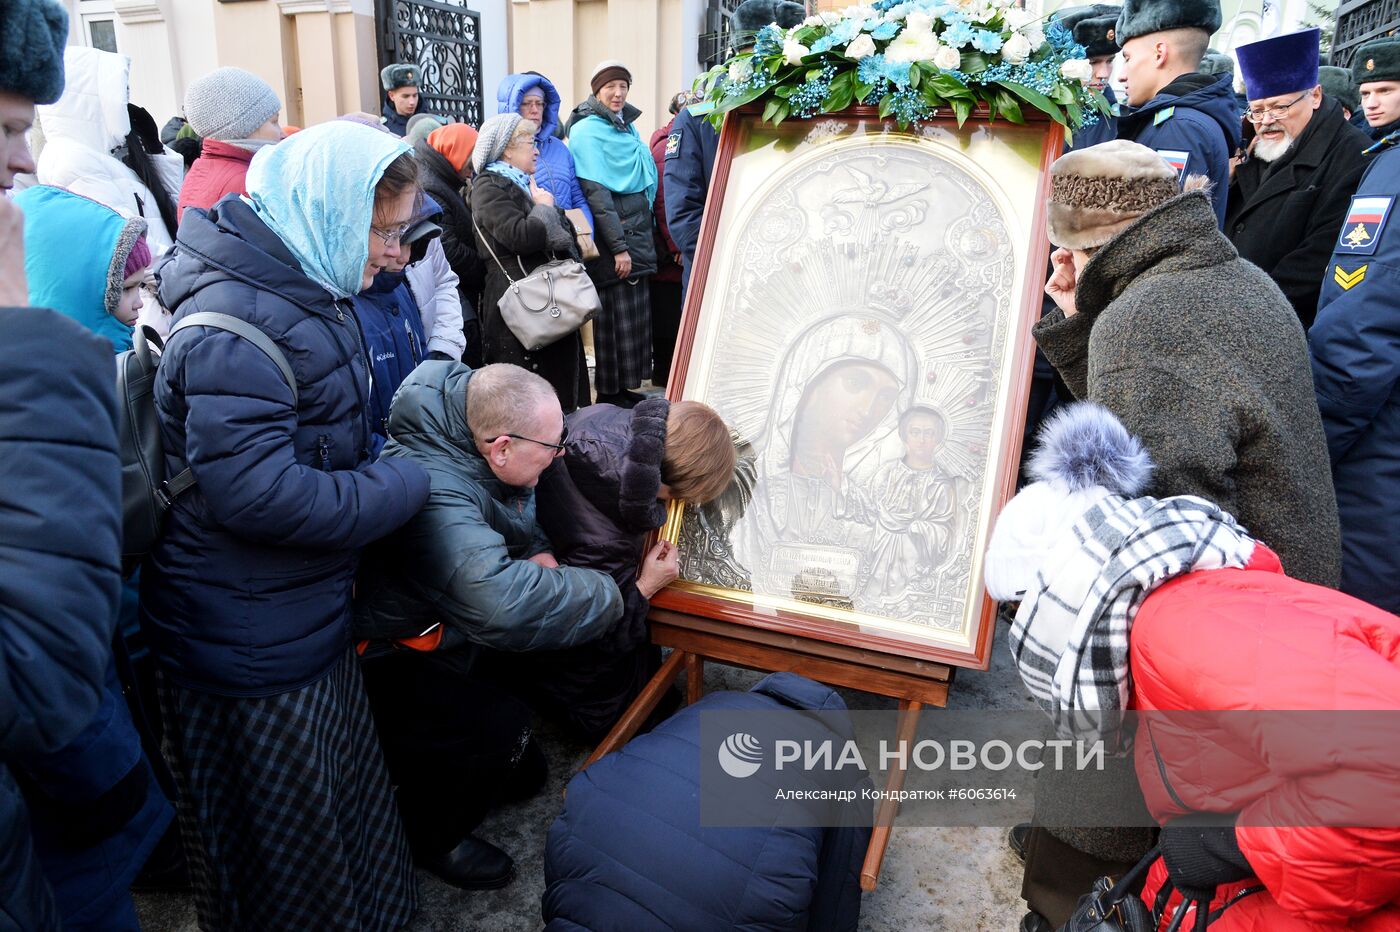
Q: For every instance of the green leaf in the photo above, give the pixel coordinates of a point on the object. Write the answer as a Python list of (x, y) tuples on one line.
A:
[(931, 95), (962, 109), (813, 73), (781, 114), (862, 90), (886, 105), (915, 76), (784, 92), (838, 99), (973, 62), (771, 108), (752, 94), (1035, 99), (1076, 114), (1008, 107)]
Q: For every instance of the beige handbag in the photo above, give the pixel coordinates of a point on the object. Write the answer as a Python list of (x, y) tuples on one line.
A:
[(584, 234), (546, 305)]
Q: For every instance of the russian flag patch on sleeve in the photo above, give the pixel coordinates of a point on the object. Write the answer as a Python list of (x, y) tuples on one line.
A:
[(1177, 159), (1365, 219)]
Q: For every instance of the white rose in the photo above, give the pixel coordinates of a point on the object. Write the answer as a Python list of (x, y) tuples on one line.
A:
[(947, 58), (919, 22), (1016, 17), (862, 47), (1016, 49), (740, 70), (1078, 69), (794, 52)]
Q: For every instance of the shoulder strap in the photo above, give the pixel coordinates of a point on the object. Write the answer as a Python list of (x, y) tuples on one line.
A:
[(487, 243), (248, 332)]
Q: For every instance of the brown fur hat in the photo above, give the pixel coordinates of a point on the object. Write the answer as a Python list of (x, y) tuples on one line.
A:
[(1096, 192)]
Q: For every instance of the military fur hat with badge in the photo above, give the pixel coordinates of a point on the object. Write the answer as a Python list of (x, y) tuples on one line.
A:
[(393, 77), (1377, 61), (1094, 27)]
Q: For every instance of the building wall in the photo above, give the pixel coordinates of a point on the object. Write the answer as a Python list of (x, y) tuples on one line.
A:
[(565, 39)]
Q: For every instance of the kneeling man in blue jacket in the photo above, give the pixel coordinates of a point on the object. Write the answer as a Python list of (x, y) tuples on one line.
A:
[(471, 571)]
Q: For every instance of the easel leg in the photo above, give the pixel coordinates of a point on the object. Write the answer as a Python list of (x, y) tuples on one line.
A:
[(641, 707), (694, 678), (884, 817)]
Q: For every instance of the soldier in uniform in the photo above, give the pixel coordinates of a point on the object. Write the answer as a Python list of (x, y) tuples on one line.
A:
[(1289, 194), (1355, 347), (1094, 27), (1188, 118), (693, 142), (400, 84)]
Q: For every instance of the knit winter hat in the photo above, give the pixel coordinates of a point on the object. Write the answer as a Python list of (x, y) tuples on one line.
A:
[(492, 139), (421, 124), (1337, 83), (1084, 455), (33, 34), (138, 259), (609, 70), (229, 104), (1096, 192), (455, 142)]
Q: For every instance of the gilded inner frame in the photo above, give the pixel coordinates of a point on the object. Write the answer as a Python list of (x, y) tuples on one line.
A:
[(861, 333)]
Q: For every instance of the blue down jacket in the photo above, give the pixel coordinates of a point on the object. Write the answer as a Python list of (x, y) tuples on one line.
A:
[(628, 851), (60, 543), (248, 591), (555, 170), (392, 328)]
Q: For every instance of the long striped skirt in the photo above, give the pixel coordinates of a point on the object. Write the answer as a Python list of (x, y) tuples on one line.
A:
[(622, 337), (285, 809)]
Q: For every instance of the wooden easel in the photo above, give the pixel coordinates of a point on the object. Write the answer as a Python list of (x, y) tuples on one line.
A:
[(693, 640)]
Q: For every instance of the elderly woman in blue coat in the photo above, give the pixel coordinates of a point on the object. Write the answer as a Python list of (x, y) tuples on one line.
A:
[(285, 804)]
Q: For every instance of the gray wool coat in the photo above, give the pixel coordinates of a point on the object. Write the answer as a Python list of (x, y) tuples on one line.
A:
[(1199, 353)]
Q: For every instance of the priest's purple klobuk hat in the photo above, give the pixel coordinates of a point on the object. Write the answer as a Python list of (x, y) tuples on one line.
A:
[(1280, 65)]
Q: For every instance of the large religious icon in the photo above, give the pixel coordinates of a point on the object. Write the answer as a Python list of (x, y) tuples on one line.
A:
[(860, 315)]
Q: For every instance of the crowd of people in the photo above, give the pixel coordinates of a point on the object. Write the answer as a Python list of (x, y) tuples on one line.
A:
[(395, 534)]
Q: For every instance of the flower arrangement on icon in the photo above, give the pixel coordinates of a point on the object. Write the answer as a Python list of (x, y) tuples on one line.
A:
[(912, 58)]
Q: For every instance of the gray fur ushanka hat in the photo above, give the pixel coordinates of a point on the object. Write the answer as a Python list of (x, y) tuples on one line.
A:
[(1143, 17), (1096, 193), (32, 36)]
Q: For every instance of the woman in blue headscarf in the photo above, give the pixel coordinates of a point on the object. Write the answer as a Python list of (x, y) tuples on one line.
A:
[(285, 804), (618, 175)]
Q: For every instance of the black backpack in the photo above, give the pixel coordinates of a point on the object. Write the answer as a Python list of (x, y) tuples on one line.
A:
[(146, 492)]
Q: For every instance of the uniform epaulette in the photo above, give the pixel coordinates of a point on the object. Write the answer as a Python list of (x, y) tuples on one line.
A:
[(1387, 142)]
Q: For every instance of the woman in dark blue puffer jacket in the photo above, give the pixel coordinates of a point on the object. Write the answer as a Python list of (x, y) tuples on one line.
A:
[(285, 805)]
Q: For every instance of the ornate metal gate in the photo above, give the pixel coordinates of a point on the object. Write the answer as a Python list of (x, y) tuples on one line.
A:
[(443, 38)]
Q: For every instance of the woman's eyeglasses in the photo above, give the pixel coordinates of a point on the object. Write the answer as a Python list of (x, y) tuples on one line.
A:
[(390, 237)]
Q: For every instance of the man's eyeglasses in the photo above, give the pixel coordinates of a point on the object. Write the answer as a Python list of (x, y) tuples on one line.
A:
[(558, 448), (1278, 113), (390, 237)]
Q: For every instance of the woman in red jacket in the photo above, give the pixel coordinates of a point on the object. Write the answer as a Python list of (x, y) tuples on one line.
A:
[(1131, 603)]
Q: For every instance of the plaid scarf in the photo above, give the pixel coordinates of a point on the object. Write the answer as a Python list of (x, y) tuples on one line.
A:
[(1070, 636)]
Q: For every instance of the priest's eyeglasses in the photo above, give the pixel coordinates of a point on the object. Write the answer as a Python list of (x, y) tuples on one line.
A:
[(1278, 113)]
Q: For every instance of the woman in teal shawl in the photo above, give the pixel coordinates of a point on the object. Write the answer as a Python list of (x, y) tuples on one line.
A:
[(618, 175)]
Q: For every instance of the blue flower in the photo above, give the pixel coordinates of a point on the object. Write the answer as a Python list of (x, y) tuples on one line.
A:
[(984, 40), (958, 35), (845, 31), (769, 41), (871, 69), (824, 44), (885, 31)]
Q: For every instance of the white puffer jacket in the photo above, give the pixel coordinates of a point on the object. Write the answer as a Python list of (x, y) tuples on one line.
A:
[(434, 287), (82, 129)]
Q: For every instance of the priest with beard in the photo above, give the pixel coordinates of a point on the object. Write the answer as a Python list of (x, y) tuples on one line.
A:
[(1289, 196)]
